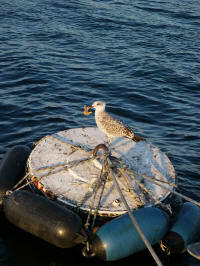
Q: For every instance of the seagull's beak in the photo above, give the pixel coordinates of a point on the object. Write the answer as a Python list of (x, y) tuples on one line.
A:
[(90, 107)]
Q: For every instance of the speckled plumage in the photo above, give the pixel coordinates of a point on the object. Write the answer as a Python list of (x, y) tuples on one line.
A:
[(109, 125)]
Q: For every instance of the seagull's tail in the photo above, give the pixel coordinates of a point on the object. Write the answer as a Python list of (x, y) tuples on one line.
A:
[(137, 138)]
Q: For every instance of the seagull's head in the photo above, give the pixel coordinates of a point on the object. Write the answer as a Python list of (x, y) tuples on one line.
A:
[(98, 106)]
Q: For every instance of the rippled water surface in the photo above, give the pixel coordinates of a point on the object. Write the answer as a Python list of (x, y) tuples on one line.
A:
[(141, 57)]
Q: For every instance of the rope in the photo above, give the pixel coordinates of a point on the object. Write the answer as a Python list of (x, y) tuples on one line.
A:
[(158, 180), (164, 206), (102, 181), (157, 260), (20, 181), (100, 197), (15, 188), (65, 167), (171, 190), (137, 198), (161, 184)]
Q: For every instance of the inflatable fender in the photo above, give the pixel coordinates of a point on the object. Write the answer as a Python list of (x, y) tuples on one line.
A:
[(12, 167), (184, 231), (119, 238), (43, 218)]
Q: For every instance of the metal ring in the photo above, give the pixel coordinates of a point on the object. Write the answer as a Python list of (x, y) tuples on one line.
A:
[(100, 146)]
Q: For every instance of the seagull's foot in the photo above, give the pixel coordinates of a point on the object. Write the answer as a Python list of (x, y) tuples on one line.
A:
[(107, 143), (137, 138)]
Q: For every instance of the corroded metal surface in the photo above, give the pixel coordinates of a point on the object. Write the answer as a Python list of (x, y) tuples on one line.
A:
[(62, 166)]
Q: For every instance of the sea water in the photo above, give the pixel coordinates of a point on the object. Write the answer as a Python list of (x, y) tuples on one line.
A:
[(141, 57)]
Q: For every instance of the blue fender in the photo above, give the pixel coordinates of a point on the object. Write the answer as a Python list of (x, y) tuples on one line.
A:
[(185, 230), (119, 238)]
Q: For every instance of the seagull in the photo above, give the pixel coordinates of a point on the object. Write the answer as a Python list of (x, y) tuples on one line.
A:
[(112, 127)]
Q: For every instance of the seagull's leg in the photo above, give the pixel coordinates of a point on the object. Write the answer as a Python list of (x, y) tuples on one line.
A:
[(109, 141)]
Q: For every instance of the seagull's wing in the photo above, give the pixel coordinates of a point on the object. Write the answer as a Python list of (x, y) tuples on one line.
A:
[(116, 127)]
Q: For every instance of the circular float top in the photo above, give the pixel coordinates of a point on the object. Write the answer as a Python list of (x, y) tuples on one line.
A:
[(62, 166)]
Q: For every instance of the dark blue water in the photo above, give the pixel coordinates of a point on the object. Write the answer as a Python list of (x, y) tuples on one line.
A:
[(141, 57)]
